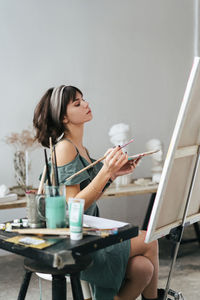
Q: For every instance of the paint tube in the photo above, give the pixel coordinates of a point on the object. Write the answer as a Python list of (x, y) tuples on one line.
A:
[(76, 210)]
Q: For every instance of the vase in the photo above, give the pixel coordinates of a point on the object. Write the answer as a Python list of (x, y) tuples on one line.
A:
[(20, 167)]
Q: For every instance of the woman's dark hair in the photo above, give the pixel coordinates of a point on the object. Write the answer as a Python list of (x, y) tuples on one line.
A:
[(43, 122)]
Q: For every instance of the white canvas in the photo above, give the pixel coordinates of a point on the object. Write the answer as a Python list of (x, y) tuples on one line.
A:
[(176, 178)]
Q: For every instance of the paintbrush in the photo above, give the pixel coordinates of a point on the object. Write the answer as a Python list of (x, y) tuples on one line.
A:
[(96, 162), (47, 168), (64, 231), (52, 165), (40, 189), (55, 167)]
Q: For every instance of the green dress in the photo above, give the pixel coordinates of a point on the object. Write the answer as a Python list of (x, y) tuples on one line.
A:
[(109, 264)]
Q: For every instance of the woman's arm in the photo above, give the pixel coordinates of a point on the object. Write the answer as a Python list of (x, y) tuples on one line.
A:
[(91, 192), (113, 162)]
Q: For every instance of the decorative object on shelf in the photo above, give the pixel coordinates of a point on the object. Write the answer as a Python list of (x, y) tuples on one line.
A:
[(157, 159), (22, 143), (144, 181), (119, 135), (5, 194)]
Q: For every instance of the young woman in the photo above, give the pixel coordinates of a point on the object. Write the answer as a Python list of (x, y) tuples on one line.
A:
[(122, 271)]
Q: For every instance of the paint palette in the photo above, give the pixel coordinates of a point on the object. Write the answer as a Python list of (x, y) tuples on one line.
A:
[(133, 157)]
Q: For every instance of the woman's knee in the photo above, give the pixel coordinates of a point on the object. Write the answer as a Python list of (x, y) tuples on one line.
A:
[(153, 248), (139, 247), (140, 267)]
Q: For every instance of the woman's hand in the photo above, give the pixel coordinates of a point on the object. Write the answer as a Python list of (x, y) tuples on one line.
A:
[(128, 167), (115, 160)]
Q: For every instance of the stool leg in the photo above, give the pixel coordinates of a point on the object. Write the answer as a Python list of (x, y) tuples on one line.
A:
[(76, 287), (59, 290), (24, 285)]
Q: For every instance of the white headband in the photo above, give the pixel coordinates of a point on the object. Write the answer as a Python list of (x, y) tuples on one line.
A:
[(55, 103)]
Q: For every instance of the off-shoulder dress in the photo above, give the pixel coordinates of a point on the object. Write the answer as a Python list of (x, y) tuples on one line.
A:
[(107, 272)]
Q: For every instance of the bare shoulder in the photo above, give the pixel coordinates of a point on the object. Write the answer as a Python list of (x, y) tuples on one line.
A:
[(65, 152)]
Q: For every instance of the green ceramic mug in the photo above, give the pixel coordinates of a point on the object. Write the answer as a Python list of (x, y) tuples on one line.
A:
[(55, 207)]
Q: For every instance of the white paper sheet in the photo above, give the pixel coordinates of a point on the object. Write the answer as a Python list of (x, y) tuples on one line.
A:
[(101, 223)]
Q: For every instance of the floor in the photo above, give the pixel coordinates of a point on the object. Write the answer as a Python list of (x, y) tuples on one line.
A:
[(185, 279)]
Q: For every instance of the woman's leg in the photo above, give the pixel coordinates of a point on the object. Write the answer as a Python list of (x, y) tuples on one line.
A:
[(138, 275), (142, 270), (150, 251)]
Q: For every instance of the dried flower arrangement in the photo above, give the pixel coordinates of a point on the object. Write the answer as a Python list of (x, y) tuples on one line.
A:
[(22, 143)]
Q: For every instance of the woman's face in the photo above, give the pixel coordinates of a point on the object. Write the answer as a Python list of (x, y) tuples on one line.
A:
[(78, 111)]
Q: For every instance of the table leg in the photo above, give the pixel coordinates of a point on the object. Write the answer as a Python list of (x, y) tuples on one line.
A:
[(59, 290), (76, 287), (148, 213), (197, 231)]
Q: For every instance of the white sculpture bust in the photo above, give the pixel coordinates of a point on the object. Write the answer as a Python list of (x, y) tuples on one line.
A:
[(119, 135), (157, 158)]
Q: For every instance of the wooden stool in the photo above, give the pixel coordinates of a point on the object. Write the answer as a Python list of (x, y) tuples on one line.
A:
[(59, 291), (87, 294)]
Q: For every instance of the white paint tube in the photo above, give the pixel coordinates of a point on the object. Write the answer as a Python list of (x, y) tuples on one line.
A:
[(76, 210)]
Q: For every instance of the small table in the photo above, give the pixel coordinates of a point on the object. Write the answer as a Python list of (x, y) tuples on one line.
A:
[(20, 202), (131, 189), (65, 251)]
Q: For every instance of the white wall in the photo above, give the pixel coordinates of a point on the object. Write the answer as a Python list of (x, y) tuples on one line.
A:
[(130, 58)]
